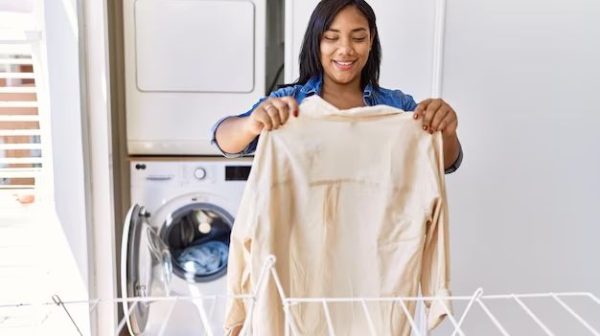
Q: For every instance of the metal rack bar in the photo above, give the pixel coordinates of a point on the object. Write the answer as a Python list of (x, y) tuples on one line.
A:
[(575, 315), (476, 295), (269, 272), (539, 296), (492, 317), (451, 317), (267, 266), (94, 304), (592, 297), (57, 300), (369, 319), (289, 324), (124, 320), (163, 326), (203, 316), (410, 318), (533, 316), (328, 319)]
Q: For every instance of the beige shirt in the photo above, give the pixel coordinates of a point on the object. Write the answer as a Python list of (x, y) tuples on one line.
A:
[(352, 203)]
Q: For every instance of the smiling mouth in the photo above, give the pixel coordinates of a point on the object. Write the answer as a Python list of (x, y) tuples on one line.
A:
[(344, 65)]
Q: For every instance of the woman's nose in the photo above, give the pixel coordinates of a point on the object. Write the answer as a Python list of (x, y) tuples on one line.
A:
[(346, 48)]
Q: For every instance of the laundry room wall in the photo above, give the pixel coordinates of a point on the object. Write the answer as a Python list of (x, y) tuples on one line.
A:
[(62, 33), (523, 77), (69, 274)]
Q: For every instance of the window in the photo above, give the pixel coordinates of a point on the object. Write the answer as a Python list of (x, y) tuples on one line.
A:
[(23, 160)]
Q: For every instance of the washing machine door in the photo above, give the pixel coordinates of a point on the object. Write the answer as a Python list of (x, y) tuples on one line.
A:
[(145, 268), (198, 236)]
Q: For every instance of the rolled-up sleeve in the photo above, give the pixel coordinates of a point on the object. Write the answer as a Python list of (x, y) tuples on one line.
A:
[(251, 146), (408, 102), (457, 162)]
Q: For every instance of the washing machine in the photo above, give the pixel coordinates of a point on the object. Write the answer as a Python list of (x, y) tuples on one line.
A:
[(175, 243), (189, 63)]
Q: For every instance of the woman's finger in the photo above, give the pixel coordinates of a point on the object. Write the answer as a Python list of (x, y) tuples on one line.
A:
[(262, 117), (428, 114), (440, 115), (421, 107), (283, 110), (273, 113), (292, 104)]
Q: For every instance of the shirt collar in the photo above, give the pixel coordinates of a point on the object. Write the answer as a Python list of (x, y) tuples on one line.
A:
[(368, 90), (314, 84)]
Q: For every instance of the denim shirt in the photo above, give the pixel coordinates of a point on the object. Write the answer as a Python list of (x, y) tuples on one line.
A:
[(371, 96)]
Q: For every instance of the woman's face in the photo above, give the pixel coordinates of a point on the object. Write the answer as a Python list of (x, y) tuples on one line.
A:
[(345, 47)]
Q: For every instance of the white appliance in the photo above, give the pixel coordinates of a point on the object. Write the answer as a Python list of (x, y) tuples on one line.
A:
[(190, 62), (406, 31), (179, 208)]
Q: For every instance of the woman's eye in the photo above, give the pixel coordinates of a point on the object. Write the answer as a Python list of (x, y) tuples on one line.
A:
[(330, 38), (359, 39)]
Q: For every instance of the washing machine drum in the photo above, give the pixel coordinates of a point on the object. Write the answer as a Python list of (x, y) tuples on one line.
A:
[(197, 235)]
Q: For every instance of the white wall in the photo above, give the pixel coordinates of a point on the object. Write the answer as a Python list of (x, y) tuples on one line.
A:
[(24, 6), (524, 76), (70, 268), (67, 135), (81, 136)]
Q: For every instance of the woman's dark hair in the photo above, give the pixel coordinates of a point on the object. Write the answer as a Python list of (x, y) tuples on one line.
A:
[(320, 21)]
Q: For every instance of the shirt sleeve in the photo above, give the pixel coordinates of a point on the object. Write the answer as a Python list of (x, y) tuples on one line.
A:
[(251, 148), (435, 274), (408, 103), (457, 162)]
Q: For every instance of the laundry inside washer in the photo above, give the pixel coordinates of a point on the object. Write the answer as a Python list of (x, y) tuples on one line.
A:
[(198, 238), (204, 258)]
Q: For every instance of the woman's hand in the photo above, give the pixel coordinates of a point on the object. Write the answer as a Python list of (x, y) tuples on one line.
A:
[(437, 115), (271, 114)]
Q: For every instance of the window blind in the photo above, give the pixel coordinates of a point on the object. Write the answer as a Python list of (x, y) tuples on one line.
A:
[(22, 156)]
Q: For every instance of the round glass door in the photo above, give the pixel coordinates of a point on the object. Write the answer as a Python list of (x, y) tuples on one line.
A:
[(197, 236), (145, 269)]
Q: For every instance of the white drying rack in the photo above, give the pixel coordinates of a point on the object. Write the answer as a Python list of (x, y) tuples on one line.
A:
[(58, 307)]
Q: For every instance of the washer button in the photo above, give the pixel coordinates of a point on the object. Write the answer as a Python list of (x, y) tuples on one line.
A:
[(200, 173)]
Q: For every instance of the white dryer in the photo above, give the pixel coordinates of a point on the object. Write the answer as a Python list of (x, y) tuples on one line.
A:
[(190, 62), (175, 243)]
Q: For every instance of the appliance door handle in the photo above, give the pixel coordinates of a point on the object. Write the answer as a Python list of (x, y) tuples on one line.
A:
[(159, 177)]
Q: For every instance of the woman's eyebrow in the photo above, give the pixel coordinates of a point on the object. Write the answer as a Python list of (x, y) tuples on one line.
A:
[(352, 31)]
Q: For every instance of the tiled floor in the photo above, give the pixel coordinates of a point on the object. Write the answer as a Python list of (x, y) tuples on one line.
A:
[(20, 268), (35, 263)]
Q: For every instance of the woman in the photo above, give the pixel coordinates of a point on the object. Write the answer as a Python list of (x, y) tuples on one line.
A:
[(339, 61)]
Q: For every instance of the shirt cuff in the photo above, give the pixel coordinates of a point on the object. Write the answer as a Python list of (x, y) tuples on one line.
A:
[(437, 312), (457, 162)]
